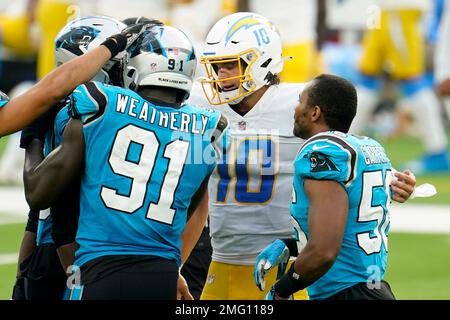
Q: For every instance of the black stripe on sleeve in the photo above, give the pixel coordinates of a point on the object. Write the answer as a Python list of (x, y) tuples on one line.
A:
[(100, 99)]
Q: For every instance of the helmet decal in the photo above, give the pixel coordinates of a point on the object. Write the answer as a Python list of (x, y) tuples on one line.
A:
[(245, 22), (77, 39)]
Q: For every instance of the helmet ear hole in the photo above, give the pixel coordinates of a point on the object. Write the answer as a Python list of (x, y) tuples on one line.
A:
[(266, 63), (131, 78), (131, 73)]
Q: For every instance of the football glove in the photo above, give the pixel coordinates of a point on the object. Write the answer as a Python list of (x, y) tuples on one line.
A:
[(122, 41), (276, 253), (19, 289), (271, 295)]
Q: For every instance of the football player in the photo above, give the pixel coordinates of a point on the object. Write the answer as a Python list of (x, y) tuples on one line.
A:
[(398, 47), (249, 193), (340, 204), (134, 209), (442, 70), (40, 272)]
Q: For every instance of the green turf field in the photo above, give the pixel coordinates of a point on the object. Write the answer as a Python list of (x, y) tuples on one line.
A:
[(405, 149)]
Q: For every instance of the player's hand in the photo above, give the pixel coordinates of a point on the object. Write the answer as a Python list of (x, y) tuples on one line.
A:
[(120, 42), (19, 289), (443, 89), (183, 289), (133, 32), (271, 295), (403, 185), (276, 253)]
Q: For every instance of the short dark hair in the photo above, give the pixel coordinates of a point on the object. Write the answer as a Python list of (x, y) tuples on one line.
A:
[(337, 100)]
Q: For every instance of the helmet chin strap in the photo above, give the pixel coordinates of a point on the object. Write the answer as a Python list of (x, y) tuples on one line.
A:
[(230, 94)]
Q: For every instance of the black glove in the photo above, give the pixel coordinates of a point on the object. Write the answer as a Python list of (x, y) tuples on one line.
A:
[(19, 289), (122, 41), (38, 128)]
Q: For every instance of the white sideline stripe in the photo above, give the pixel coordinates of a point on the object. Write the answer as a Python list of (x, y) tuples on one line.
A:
[(12, 199), (414, 218), (420, 218), (9, 258)]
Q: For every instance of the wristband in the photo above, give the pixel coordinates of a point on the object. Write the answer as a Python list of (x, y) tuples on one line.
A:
[(33, 220), (115, 44), (290, 283)]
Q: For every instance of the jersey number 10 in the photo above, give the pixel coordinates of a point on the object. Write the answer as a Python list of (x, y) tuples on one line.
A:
[(264, 151)]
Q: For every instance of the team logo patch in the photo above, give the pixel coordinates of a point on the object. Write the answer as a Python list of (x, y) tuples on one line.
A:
[(320, 162), (211, 278), (242, 125)]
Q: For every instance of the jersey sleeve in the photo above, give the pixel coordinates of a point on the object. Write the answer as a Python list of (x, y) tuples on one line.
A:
[(3, 99), (88, 101), (326, 159)]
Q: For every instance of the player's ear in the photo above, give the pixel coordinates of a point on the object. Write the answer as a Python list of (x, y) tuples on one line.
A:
[(316, 113)]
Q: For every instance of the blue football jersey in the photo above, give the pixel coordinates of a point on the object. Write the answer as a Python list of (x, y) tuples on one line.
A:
[(361, 166), (52, 140), (143, 164)]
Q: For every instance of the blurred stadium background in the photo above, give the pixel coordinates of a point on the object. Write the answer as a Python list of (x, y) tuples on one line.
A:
[(322, 36)]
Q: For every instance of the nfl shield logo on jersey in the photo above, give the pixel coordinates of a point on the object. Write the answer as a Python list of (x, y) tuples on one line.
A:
[(242, 125)]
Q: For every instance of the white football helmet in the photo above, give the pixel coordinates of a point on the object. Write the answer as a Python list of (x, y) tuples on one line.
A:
[(252, 41), (162, 56), (84, 34)]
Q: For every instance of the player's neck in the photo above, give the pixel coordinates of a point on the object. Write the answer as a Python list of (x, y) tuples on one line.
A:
[(250, 101), (318, 128), (160, 96)]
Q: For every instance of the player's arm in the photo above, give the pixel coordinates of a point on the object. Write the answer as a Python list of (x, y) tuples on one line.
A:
[(44, 179), (327, 217), (199, 203), (197, 216), (20, 111), (26, 249)]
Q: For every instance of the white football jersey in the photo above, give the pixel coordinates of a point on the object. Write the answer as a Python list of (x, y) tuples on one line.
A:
[(250, 194)]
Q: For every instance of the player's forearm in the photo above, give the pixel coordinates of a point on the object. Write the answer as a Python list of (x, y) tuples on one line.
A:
[(312, 263), (58, 84), (45, 179), (37, 188), (194, 228), (26, 248), (327, 220), (64, 79)]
